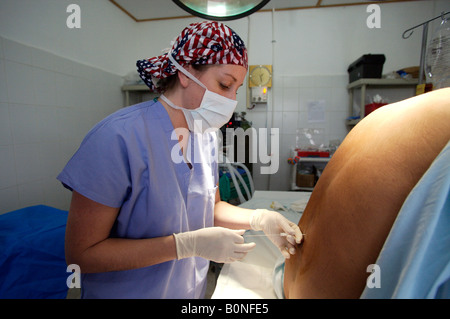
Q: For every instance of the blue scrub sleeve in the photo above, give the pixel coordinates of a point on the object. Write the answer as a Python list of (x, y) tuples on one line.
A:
[(99, 170)]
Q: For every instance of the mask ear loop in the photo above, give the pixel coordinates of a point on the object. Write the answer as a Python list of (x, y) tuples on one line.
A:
[(185, 72)]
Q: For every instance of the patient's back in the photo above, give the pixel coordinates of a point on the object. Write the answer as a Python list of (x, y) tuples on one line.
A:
[(360, 192)]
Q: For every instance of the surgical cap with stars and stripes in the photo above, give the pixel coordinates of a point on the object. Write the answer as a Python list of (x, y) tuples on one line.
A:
[(202, 43)]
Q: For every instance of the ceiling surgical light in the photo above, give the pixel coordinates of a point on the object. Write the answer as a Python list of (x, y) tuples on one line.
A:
[(217, 9), (221, 10)]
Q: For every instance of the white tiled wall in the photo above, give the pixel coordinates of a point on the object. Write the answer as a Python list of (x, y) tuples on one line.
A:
[(289, 112), (47, 105)]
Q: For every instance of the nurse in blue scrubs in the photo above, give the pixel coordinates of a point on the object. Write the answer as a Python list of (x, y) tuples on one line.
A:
[(146, 216)]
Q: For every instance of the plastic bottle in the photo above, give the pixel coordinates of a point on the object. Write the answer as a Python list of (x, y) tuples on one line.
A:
[(438, 56)]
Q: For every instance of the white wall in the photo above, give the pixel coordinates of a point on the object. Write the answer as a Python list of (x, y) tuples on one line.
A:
[(104, 39), (50, 75), (110, 40), (47, 105)]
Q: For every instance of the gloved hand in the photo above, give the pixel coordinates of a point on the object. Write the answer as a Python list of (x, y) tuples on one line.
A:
[(218, 244), (273, 224)]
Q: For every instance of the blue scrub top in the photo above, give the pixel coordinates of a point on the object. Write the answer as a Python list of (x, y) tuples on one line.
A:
[(131, 160)]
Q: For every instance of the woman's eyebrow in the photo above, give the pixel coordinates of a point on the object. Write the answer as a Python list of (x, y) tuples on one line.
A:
[(234, 79), (229, 74)]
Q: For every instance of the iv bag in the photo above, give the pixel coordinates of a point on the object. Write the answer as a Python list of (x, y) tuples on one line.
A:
[(438, 56)]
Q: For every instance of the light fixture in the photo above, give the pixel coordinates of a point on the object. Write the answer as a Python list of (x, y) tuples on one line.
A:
[(221, 10)]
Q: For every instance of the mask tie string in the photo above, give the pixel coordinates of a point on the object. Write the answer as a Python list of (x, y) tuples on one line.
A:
[(185, 72)]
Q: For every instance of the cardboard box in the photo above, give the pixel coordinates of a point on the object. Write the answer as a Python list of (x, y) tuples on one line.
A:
[(305, 180)]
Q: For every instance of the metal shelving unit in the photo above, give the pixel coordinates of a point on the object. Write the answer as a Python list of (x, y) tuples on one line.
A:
[(363, 84), (136, 88)]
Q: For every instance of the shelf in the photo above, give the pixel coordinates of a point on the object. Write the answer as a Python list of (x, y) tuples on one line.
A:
[(352, 122), (364, 84), (294, 186), (383, 82), (315, 159), (135, 87)]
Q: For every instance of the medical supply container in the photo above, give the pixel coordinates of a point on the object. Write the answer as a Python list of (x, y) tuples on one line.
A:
[(367, 66)]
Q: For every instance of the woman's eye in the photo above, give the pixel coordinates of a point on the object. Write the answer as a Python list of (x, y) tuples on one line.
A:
[(224, 86)]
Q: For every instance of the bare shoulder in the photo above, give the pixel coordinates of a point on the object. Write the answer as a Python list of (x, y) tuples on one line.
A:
[(358, 197)]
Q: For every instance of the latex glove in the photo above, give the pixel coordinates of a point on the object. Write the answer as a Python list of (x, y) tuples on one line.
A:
[(273, 224), (218, 244)]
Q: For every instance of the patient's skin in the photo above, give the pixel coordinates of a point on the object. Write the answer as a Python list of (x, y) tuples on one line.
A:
[(360, 192)]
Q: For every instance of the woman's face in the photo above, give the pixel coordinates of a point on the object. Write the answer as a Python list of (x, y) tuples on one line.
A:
[(223, 79)]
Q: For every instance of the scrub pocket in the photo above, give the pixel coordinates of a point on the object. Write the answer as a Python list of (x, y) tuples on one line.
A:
[(200, 205)]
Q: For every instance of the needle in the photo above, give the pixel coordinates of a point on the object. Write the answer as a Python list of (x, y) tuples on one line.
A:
[(264, 235), (281, 235)]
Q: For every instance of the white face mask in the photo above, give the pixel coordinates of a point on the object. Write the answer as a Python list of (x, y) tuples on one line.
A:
[(214, 111)]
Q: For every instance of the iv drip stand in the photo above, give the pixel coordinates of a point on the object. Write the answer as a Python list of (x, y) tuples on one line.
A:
[(406, 35)]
